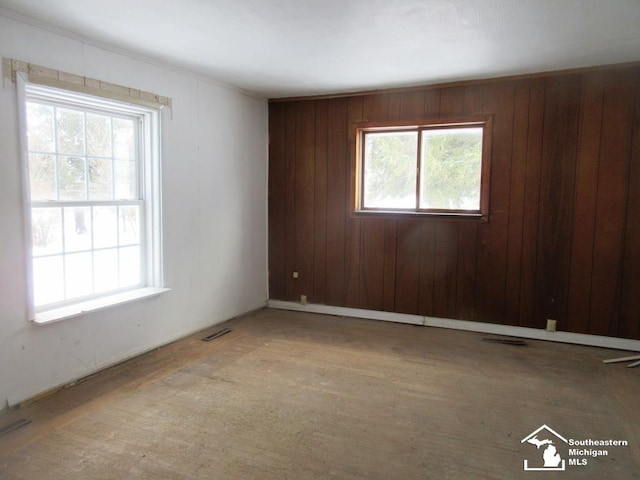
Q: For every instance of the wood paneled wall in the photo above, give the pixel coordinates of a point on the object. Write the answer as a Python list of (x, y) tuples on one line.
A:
[(563, 236)]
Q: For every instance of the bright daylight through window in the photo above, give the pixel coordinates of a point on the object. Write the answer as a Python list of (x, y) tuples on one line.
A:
[(432, 168), (93, 181)]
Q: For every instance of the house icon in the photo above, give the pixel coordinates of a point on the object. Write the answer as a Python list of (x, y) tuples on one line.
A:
[(544, 437)]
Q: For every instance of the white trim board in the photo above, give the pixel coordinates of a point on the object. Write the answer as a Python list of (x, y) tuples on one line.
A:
[(491, 328)]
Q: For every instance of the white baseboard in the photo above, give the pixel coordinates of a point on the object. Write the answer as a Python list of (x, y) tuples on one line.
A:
[(491, 328)]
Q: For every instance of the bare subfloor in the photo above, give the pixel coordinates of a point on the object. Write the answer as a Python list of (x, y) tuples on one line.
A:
[(301, 396)]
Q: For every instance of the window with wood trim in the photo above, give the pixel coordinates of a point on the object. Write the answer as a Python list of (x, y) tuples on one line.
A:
[(436, 168)]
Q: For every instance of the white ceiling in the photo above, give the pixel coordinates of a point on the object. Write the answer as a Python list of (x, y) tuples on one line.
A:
[(281, 48)]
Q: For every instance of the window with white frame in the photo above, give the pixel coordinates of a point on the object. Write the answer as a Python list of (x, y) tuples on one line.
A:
[(93, 178)]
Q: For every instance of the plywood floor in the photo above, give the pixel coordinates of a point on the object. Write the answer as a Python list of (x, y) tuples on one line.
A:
[(289, 395)]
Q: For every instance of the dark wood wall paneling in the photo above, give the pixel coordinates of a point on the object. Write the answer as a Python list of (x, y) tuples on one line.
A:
[(563, 237)]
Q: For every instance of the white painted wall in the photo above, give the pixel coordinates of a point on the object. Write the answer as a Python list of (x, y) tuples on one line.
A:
[(215, 222)]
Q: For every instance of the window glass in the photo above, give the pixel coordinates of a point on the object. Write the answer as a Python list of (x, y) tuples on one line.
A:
[(390, 169), (450, 169)]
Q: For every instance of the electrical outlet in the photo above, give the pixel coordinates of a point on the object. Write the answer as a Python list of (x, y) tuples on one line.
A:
[(295, 274), (303, 299), (551, 325)]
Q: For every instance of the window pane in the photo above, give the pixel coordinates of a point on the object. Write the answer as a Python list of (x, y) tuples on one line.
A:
[(100, 179), (105, 227), (48, 280), (451, 168), (129, 225), (42, 173), (124, 138), (78, 278), (77, 229), (46, 230), (98, 135), (390, 162), (40, 128), (126, 180), (129, 266), (72, 179), (70, 125), (105, 270)]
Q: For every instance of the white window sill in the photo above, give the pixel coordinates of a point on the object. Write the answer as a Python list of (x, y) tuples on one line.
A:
[(89, 306)]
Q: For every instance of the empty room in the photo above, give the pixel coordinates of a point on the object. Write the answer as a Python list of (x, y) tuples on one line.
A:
[(344, 239)]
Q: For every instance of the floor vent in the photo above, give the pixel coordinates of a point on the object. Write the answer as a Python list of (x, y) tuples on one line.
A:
[(506, 341), (14, 426), (213, 336)]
